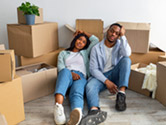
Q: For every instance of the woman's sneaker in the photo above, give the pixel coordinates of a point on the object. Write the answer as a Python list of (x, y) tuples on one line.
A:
[(59, 115), (75, 117)]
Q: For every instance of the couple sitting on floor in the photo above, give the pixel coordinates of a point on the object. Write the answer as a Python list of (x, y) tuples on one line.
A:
[(92, 66)]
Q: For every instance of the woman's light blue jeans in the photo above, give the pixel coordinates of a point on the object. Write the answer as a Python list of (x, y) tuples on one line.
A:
[(118, 75), (76, 88)]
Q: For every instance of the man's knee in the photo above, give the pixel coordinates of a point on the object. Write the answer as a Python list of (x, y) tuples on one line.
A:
[(126, 60)]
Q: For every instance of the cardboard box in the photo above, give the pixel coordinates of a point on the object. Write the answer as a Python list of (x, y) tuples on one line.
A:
[(161, 82), (161, 58), (50, 58), (33, 40), (21, 17), (37, 84), (7, 65), (2, 120), (2, 47), (150, 57), (136, 80), (138, 36), (92, 26), (11, 101)]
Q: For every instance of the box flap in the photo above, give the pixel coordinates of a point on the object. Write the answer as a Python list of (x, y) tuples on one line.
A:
[(90, 25), (10, 55), (138, 65), (135, 26), (2, 47), (70, 28), (162, 63)]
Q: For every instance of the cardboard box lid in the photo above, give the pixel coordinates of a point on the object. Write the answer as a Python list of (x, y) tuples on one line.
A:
[(9, 56), (2, 47), (135, 26)]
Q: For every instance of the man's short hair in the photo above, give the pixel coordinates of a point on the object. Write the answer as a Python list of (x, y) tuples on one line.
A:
[(115, 24)]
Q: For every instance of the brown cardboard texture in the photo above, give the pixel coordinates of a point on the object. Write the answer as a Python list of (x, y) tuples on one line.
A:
[(161, 58), (136, 80), (21, 17), (150, 57), (37, 84), (2, 47), (11, 101), (7, 67), (33, 40), (2, 120), (138, 36), (161, 82), (92, 26), (50, 58)]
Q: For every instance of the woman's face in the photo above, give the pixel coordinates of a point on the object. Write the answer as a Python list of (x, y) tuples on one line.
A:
[(80, 43)]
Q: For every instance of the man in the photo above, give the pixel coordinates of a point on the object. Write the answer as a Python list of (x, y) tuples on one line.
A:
[(110, 69)]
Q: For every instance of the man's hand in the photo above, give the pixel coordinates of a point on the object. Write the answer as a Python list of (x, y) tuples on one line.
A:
[(122, 31), (111, 86), (75, 76)]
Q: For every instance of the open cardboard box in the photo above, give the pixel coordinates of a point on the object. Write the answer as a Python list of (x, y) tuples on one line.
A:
[(92, 26), (21, 17), (36, 83), (33, 40), (161, 82), (7, 66), (136, 80)]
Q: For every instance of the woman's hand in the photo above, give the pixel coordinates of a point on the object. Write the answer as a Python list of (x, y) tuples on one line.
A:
[(81, 31), (75, 76), (78, 32)]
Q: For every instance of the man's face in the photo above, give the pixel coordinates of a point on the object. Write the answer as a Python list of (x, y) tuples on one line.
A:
[(113, 33)]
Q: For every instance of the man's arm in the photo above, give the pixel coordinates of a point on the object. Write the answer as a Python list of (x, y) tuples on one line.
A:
[(125, 49)]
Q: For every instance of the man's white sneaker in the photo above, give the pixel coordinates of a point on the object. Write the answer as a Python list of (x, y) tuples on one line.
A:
[(59, 115), (75, 117)]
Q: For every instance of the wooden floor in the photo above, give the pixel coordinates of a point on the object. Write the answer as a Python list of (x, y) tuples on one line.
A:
[(141, 110)]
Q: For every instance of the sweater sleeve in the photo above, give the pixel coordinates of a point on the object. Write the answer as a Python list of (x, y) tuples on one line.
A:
[(61, 63), (125, 49), (94, 40)]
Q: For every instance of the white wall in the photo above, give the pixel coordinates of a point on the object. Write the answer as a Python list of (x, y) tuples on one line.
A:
[(110, 11)]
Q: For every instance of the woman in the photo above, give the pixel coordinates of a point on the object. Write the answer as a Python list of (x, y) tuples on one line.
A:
[(72, 73)]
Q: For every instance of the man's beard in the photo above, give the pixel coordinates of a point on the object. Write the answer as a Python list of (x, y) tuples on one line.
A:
[(110, 41)]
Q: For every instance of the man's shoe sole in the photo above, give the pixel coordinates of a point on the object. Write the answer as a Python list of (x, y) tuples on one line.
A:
[(94, 119)]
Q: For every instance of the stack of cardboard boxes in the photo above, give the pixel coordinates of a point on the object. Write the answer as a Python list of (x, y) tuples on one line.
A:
[(38, 45), (11, 97)]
